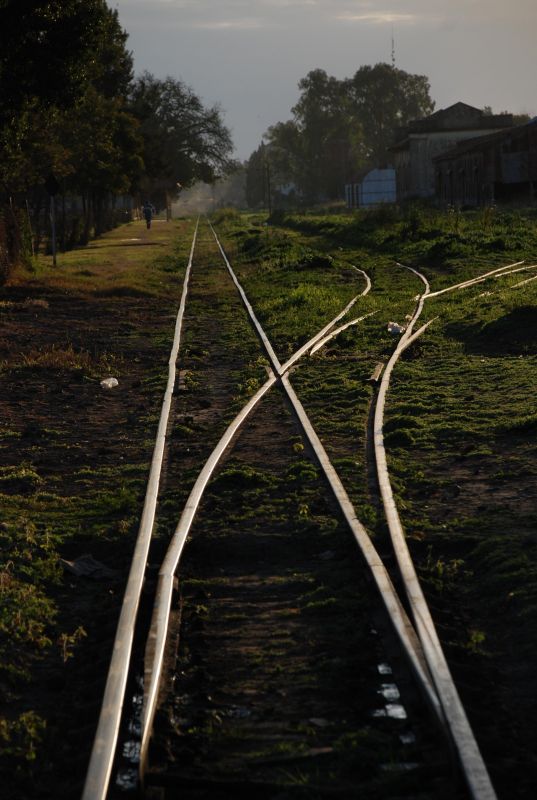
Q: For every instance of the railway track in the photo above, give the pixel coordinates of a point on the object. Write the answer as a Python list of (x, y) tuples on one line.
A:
[(262, 710)]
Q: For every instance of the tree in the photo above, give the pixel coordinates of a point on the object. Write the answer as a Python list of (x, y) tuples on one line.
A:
[(339, 127), (273, 168), (322, 118), (255, 179), (381, 99), (48, 50), (57, 56), (104, 147), (182, 140), (64, 76)]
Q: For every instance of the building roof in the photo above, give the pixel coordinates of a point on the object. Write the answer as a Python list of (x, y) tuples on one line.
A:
[(481, 142), (458, 117)]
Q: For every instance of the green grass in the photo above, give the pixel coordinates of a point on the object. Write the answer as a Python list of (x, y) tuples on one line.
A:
[(460, 415), (460, 427), (129, 261)]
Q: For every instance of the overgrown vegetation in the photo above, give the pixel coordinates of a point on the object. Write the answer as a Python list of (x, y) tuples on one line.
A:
[(460, 424), (426, 237), (460, 432)]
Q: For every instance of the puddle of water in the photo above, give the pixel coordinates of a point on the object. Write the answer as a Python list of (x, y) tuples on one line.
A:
[(392, 710), (135, 727), (319, 722), (379, 712)]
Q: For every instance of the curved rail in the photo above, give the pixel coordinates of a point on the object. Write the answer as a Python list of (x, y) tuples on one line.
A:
[(421, 646), (367, 279), (523, 283), (104, 746), (339, 330), (472, 281), (159, 623), (473, 766), (409, 640), (514, 271)]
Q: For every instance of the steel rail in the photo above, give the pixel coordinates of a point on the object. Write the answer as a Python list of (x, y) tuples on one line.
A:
[(339, 330), (159, 624), (158, 631), (417, 334), (472, 764), (367, 279), (105, 742), (312, 342), (472, 281), (514, 271), (409, 640), (398, 616), (523, 283)]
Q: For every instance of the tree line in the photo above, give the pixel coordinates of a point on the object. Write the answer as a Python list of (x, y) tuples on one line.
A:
[(338, 127), (74, 119)]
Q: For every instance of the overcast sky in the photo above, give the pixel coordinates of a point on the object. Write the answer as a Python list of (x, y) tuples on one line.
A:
[(248, 55)]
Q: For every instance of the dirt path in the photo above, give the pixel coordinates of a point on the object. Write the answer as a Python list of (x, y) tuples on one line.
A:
[(73, 464)]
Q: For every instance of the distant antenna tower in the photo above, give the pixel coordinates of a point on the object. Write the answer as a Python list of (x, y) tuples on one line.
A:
[(393, 49)]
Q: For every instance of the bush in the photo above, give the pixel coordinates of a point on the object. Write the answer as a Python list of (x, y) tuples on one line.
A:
[(226, 215)]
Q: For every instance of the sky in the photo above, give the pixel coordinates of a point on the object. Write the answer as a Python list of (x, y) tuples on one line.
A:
[(248, 55)]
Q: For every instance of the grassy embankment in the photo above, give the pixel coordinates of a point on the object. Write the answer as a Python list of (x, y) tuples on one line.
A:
[(460, 423), (73, 465)]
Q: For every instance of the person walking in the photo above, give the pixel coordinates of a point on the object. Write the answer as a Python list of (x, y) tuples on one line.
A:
[(147, 211)]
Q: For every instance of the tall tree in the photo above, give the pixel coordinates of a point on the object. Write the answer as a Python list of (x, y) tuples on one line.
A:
[(322, 119), (256, 190), (381, 99), (53, 55), (339, 127), (183, 140), (104, 154), (48, 50), (63, 65)]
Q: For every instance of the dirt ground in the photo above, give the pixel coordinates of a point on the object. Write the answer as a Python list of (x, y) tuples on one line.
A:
[(74, 459)]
